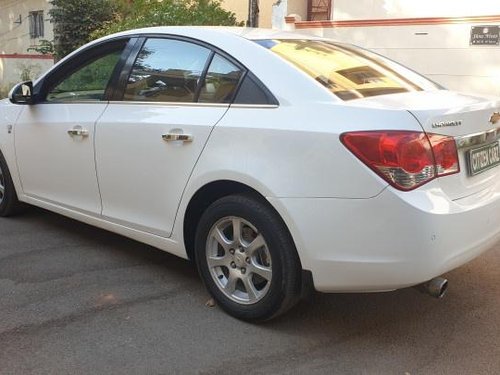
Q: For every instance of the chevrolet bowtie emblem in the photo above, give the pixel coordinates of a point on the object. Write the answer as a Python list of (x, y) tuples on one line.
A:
[(495, 117)]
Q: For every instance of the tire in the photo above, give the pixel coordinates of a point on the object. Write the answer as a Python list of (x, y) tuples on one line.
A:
[(9, 204), (253, 276)]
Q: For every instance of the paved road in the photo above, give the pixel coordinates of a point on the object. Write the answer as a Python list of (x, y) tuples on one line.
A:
[(78, 300)]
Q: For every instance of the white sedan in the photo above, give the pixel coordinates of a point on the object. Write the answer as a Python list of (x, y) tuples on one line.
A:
[(274, 160)]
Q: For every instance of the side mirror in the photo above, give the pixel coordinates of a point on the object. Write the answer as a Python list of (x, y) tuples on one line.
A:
[(22, 93)]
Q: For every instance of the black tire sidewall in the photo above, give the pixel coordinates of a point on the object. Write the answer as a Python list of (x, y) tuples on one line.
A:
[(9, 203), (280, 247)]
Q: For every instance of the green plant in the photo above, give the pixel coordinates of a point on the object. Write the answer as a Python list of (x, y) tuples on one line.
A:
[(27, 71), (75, 20), (145, 13), (45, 47), (78, 21), (4, 91)]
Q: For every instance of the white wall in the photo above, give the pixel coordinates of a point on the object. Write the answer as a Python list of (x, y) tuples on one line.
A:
[(15, 39), (240, 8), (382, 9), (272, 12), (298, 7)]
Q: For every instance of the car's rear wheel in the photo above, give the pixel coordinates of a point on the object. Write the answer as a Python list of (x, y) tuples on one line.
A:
[(9, 203), (247, 258)]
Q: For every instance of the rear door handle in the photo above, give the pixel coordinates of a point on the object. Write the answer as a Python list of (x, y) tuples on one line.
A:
[(171, 137), (78, 131)]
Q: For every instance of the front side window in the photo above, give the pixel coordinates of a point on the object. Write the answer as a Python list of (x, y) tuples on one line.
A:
[(87, 83), (166, 70), (347, 71)]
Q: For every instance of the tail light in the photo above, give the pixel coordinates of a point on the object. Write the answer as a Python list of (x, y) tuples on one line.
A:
[(405, 159)]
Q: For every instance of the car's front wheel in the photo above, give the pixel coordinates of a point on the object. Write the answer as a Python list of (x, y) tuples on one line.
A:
[(9, 204), (247, 258)]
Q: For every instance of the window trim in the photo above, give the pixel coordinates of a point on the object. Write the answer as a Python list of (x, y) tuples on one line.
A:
[(118, 79), (133, 44), (42, 87), (203, 77), (119, 92), (271, 99), (145, 37)]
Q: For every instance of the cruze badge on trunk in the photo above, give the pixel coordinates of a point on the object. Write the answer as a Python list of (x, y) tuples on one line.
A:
[(443, 124)]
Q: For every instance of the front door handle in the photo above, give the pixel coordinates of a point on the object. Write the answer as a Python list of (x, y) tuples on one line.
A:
[(78, 131), (171, 137)]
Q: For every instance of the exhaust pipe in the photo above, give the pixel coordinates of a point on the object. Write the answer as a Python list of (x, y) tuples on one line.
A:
[(435, 287)]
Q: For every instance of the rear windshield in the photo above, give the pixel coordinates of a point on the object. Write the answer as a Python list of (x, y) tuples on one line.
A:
[(347, 71)]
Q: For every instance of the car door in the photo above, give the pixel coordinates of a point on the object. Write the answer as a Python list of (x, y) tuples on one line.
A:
[(54, 138), (147, 143)]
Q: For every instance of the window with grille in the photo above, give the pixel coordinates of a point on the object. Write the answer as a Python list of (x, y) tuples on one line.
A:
[(319, 10), (36, 24)]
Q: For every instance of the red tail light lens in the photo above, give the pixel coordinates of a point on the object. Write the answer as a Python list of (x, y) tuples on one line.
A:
[(405, 159), (445, 154)]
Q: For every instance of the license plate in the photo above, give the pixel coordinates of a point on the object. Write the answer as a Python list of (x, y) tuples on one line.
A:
[(483, 158)]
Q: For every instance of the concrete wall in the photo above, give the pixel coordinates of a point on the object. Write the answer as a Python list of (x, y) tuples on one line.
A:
[(240, 8), (284, 7), (15, 60), (298, 7), (384, 9)]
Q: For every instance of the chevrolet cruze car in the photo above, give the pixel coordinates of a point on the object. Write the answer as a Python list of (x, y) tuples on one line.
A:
[(274, 160)]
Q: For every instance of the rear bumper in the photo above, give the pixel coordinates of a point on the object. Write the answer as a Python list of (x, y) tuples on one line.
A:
[(394, 240)]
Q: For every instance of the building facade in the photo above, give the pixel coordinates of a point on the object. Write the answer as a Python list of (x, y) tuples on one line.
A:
[(23, 24), (271, 12), (455, 43)]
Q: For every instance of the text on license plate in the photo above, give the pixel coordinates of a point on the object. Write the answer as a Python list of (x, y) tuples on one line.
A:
[(483, 158)]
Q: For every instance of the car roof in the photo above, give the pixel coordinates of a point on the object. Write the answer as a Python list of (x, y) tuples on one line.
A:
[(243, 32), (238, 43)]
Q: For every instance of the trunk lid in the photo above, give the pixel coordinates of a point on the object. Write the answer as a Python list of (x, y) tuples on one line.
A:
[(469, 119)]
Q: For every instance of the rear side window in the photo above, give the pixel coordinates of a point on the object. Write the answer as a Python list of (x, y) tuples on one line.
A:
[(347, 71), (166, 70), (220, 82)]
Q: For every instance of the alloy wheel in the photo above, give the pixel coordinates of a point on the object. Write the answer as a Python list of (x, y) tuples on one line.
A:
[(239, 260)]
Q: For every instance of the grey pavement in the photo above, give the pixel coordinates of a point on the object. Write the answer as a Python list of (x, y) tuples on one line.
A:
[(79, 300)]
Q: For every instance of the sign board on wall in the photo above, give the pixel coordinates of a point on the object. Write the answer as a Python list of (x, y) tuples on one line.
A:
[(485, 35)]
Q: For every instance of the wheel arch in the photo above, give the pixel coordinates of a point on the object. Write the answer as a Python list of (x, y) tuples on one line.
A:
[(205, 196), (7, 153)]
